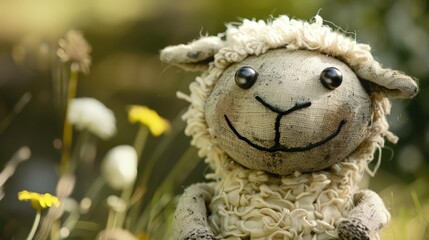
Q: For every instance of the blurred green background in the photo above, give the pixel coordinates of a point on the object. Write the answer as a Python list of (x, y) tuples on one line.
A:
[(126, 37)]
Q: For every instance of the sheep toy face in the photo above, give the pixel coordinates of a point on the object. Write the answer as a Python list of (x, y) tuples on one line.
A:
[(287, 111)]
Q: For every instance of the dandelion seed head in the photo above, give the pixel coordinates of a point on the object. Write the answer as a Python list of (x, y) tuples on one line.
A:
[(91, 115), (76, 50)]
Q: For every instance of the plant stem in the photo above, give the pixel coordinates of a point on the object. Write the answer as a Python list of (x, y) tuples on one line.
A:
[(55, 231), (178, 125), (94, 190), (140, 140), (187, 162), (35, 225), (127, 192), (110, 219), (22, 102), (68, 129)]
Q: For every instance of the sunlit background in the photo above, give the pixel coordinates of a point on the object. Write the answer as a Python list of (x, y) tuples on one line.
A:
[(126, 37)]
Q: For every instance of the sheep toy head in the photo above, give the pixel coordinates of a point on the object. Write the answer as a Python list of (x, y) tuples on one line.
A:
[(292, 96), (286, 97)]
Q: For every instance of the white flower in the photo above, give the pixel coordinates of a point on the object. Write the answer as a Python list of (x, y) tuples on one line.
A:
[(119, 167), (90, 114)]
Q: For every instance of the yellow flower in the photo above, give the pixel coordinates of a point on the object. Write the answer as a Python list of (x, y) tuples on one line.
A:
[(39, 201), (144, 115)]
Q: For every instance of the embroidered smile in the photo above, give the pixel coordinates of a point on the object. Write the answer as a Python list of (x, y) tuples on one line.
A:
[(277, 147)]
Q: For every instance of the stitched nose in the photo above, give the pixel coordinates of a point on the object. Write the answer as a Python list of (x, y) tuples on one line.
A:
[(283, 112)]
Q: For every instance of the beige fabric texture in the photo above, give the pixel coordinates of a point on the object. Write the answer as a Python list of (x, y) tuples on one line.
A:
[(253, 204), (287, 78)]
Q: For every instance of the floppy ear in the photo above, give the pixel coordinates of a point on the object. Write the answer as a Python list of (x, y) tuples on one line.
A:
[(389, 83), (194, 56)]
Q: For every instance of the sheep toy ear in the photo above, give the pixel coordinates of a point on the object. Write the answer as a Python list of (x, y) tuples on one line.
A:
[(194, 56), (390, 83)]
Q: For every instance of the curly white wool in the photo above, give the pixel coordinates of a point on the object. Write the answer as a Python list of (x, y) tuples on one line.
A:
[(91, 115), (119, 167)]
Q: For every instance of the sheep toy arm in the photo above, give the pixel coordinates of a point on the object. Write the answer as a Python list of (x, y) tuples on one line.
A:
[(367, 217), (190, 219)]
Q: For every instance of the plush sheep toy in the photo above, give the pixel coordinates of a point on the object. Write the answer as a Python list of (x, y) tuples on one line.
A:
[(288, 114)]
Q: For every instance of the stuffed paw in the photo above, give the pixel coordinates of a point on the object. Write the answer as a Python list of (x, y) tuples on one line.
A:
[(353, 229)]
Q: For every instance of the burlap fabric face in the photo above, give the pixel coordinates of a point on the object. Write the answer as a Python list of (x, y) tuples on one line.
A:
[(332, 125)]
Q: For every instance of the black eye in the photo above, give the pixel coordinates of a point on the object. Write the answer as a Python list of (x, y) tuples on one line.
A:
[(245, 77), (331, 78)]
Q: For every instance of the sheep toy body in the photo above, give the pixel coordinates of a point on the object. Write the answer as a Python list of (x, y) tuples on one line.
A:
[(288, 114)]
